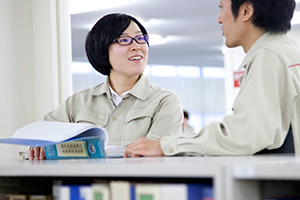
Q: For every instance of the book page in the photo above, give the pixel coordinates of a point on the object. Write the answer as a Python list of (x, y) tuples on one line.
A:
[(114, 151), (50, 131), (47, 132)]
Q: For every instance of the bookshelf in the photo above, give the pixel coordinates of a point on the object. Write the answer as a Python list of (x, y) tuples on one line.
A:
[(233, 178), (263, 177), (159, 170)]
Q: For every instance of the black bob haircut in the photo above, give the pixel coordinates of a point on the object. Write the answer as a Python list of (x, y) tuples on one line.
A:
[(108, 28), (273, 16)]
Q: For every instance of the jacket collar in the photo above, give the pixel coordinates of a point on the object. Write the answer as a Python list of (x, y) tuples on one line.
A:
[(267, 37), (102, 88), (139, 90)]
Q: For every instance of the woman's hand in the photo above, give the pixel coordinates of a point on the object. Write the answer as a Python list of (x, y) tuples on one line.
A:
[(144, 147), (37, 152)]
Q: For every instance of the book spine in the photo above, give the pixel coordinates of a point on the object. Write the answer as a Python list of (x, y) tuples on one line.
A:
[(101, 191), (148, 191), (86, 192), (125, 190), (132, 192), (85, 148), (200, 192), (74, 192), (120, 190)]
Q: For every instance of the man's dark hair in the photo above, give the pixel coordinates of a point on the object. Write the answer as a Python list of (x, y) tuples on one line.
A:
[(185, 114), (103, 33), (273, 16)]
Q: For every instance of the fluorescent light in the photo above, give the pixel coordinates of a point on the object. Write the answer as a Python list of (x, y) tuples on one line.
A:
[(157, 39), (296, 18), (81, 6), (213, 72), (150, 22), (188, 71), (224, 50), (144, 23), (163, 71)]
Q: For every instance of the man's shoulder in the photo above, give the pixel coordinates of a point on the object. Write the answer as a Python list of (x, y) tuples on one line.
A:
[(281, 45)]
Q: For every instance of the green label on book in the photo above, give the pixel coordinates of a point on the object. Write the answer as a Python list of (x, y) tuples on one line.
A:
[(98, 196), (146, 197)]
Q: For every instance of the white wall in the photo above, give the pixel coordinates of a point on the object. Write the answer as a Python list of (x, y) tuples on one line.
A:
[(295, 34), (233, 57), (31, 71)]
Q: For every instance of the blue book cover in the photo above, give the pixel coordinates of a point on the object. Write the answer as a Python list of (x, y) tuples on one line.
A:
[(132, 192), (208, 193), (199, 191), (74, 192), (81, 148)]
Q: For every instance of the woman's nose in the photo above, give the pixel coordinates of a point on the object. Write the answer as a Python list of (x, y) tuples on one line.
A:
[(135, 46)]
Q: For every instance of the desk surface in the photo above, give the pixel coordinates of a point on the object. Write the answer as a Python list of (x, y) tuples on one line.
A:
[(202, 167), (129, 167)]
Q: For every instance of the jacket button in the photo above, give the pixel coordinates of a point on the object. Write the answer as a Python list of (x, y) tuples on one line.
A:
[(114, 118)]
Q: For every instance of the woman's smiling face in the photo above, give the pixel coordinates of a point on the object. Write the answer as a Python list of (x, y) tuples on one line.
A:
[(129, 60)]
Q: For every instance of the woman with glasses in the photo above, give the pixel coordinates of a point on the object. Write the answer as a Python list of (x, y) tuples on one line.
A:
[(126, 104)]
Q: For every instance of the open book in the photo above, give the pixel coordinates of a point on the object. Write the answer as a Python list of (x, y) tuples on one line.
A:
[(63, 140)]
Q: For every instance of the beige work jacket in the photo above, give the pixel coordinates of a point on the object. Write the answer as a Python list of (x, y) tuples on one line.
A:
[(267, 103), (146, 111)]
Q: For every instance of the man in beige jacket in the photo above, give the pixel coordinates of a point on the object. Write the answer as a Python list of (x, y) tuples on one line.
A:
[(268, 104)]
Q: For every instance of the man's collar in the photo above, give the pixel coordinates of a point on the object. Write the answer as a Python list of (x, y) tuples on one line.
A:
[(258, 43)]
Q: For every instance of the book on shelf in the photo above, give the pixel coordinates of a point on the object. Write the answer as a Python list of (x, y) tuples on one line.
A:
[(126, 190), (95, 191), (174, 191), (27, 197), (61, 192), (147, 191), (120, 190), (65, 140), (15, 197), (100, 191), (40, 197), (195, 190), (72, 192)]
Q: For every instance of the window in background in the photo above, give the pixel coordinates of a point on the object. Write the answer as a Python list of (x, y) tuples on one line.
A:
[(201, 89), (85, 76)]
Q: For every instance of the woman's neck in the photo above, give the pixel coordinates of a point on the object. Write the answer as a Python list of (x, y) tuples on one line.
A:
[(122, 84)]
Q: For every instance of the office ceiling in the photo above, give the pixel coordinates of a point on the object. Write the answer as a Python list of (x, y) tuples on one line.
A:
[(194, 36)]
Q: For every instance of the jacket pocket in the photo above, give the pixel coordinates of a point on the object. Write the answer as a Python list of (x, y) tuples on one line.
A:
[(86, 115), (140, 114)]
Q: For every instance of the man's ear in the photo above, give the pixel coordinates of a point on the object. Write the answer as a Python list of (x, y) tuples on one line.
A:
[(247, 11)]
